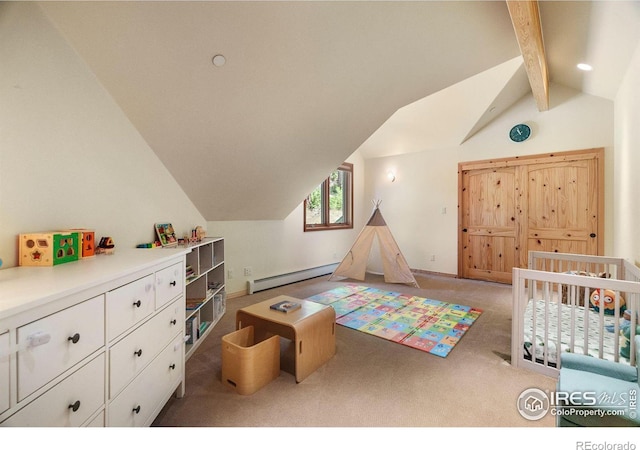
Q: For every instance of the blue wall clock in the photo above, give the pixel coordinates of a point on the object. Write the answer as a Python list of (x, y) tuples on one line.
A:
[(520, 132)]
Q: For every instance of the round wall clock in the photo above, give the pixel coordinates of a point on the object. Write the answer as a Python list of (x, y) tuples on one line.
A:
[(519, 133)]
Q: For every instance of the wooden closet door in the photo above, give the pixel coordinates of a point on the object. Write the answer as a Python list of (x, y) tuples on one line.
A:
[(563, 207), (510, 206), (489, 225)]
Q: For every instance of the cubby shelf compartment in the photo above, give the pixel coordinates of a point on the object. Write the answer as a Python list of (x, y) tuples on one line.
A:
[(205, 283)]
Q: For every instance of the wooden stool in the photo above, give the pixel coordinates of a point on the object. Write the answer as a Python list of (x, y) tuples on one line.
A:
[(248, 366)]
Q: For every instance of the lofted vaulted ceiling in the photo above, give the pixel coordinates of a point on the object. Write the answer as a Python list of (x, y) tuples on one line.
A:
[(306, 83)]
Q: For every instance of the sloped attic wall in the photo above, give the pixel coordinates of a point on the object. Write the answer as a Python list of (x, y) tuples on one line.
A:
[(69, 157), (276, 247)]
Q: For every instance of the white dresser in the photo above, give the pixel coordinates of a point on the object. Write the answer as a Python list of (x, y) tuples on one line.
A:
[(96, 342)]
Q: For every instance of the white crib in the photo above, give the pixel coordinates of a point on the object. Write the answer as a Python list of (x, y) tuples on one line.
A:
[(552, 312)]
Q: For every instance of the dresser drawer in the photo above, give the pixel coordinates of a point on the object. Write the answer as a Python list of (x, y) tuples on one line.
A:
[(97, 421), (4, 372), (55, 343), (169, 284), (138, 404), (129, 304), (129, 356), (69, 403)]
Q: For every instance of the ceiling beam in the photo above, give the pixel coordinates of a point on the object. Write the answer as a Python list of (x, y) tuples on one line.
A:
[(525, 17)]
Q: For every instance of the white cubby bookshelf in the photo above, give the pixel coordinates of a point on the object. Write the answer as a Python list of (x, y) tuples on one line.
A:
[(205, 290)]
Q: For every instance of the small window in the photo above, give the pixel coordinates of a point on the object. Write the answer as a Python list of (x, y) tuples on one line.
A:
[(330, 205)]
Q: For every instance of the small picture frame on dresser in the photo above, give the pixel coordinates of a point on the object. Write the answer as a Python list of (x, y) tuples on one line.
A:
[(166, 234)]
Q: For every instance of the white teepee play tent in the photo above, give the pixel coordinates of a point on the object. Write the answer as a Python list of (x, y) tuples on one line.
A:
[(354, 264)]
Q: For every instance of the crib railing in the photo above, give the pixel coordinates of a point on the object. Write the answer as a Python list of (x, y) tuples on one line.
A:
[(556, 302), (602, 266)]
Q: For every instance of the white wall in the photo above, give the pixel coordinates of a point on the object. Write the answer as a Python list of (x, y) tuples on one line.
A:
[(69, 157), (627, 164), (420, 207), (275, 247)]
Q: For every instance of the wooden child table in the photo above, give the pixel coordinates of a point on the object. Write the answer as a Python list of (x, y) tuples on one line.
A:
[(311, 329)]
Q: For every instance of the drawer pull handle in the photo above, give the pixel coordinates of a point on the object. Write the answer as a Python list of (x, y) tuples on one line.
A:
[(137, 304), (75, 406), (74, 339), (173, 283), (172, 367), (173, 322), (137, 409), (138, 353)]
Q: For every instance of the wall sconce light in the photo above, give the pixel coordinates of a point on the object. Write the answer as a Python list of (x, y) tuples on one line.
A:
[(391, 176)]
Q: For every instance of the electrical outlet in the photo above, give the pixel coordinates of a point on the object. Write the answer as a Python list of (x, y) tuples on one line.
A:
[(433, 257), (248, 272), (230, 274)]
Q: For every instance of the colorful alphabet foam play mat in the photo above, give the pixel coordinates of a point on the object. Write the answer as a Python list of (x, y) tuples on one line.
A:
[(429, 325)]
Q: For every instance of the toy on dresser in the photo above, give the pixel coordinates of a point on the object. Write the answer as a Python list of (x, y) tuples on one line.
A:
[(87, 242), (106, 246), (51, 248), (48, 248)]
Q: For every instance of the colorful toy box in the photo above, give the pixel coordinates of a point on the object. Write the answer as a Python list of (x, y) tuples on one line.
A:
[(87, 241), (49, 248)]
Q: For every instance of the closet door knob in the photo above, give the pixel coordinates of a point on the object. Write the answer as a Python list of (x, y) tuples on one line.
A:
[(75, 406), (592, 235), (172, 367), (138, 353), (173, 322), (173, 283), (137, 304), (74, 339), (137, 409)]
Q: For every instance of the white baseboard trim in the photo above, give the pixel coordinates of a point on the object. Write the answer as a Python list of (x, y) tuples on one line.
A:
[(262, 284)]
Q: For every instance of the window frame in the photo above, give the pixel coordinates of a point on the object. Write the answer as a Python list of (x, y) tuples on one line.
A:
[(326, 223)]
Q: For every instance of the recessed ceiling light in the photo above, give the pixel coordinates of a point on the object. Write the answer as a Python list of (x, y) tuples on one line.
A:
[(219, 60), (585, 67)]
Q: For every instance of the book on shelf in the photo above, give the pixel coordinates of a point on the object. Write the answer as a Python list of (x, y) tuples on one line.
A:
[(192, 330), (190, 274), (196, 327), (285, 306), (219, 303), (193, 303)]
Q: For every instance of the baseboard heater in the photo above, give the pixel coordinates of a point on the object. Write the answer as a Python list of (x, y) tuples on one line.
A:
[(262, 284)]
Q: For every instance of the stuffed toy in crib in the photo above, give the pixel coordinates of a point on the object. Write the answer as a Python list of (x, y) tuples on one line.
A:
[(579, 292), (607, 299), (625, 334)]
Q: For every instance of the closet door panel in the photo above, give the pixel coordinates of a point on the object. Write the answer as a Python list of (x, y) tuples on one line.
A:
[(510, 206), (563, 214), (489, 223)]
